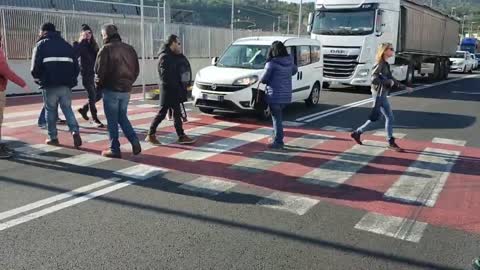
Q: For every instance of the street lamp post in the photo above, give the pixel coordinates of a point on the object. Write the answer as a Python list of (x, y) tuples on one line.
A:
[(463, 25), (471, 28), (300, 18), (233, 18)]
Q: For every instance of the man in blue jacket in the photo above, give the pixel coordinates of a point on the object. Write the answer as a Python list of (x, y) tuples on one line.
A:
[(55, 68)]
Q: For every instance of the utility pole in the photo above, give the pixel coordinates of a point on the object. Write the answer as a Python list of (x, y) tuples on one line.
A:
[(278, 24), (233, 20), (142, 30), (463, 25), (288, 24), (300, 18)]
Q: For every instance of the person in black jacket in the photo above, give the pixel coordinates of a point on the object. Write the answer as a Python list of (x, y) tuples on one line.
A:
[(186, 74), (171, 89), (55, 68), (86, 48)]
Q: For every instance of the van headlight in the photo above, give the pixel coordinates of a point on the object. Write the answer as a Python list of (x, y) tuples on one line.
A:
[(246, 81)]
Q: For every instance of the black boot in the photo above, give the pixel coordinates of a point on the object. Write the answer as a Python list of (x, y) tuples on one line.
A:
[(356, 136), (393, 145)]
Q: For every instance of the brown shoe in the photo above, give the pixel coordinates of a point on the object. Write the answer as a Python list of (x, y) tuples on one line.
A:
[(152, 139), (185, 140), (77, 140), (136, 148), (110, 154), (53, 142)]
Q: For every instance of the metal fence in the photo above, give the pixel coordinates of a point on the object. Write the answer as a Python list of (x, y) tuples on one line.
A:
[(19, 28)]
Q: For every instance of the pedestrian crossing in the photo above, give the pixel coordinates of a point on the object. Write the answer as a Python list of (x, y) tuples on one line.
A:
[(316, 166)]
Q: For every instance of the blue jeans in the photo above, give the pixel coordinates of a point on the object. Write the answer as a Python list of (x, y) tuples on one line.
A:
[(115, 105), (386, 110), (277, 119), (42, 119), (52, 97)]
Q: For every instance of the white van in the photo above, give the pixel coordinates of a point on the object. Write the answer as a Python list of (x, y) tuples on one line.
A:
[(227, 84)]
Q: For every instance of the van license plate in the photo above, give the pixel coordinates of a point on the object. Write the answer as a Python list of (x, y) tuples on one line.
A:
[(213, 97)]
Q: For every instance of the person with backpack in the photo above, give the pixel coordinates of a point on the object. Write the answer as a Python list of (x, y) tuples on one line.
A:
[(382, 83), (278, 77)]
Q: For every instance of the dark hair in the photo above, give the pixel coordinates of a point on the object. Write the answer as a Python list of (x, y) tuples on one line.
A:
[(277, 50), (171, 39)]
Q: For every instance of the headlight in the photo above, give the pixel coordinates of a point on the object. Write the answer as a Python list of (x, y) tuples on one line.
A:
[(363, 72), (246, 81)]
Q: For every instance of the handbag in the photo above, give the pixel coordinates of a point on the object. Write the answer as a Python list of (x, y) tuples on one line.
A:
[(377, 105), (258, 101)]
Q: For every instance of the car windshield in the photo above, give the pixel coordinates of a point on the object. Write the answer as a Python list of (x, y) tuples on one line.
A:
[(459, 55), (344, 22), (244, 56)]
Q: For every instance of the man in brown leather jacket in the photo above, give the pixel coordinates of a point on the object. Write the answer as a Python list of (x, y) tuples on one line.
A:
[(116, 69)]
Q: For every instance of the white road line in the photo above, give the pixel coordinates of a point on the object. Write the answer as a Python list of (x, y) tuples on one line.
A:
[(338, 129), (395, 135), (61, 206), (56, 198), (298, 205), (449, 141), (223, 145), (37, 149), (465, 93), (148, 106), (164, 124), (270, 158), (423, 181), (342, 108), (141, 172), (292, 124), (95, 137), (84, 160), (338, 170), (208, 186), (140, 116), (396, 227)]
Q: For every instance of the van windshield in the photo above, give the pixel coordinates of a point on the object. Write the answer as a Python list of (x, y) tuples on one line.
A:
[(459, 55), (244, 56), (344, 22)]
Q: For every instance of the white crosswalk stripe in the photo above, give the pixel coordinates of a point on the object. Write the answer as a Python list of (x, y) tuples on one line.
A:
[(395, 135), (449, 141), (423, 180), (282, 201), (84, 160), (37, 149), (208, 186), (141, 172)]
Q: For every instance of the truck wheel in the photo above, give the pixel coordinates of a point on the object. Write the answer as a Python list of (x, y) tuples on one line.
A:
[(206, 110), (314, 97), (446, 69), (436, 72)]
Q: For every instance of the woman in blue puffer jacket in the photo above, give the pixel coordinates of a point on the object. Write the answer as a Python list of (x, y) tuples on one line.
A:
[(278, 78)]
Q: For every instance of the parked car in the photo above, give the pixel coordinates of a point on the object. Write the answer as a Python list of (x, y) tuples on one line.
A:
[(227, 84), (478, 58), (475, 61), (461, 62)]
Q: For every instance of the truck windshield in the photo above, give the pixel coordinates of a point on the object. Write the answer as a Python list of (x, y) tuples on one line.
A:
[(244, 56), (344, 22)]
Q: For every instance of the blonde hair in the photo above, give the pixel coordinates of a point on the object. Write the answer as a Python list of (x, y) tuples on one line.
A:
[(381, 51)]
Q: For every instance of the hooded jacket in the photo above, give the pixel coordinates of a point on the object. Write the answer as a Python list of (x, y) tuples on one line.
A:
[(278, 78), (117, 66), (6, 74), (54, 62)]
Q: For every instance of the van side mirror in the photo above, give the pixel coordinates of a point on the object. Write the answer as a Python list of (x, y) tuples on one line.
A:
[(379, 23), (214, 61), (310, 22)]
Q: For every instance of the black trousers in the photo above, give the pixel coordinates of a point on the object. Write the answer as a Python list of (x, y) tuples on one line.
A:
[(162, 113), (94, 95)]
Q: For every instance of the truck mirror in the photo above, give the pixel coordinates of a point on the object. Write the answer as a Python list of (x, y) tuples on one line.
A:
[(379, 23), (310, 22)]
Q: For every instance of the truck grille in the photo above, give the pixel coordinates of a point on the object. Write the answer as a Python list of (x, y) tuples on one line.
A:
[(339, 66)]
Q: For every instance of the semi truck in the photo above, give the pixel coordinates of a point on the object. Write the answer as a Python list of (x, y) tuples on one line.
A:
[(350, 32), (471, 45)]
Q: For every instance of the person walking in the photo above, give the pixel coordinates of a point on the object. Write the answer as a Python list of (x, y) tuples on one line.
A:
[(278, 77), (382, 83), (186, 74), (171, 88), (116, 69), (6, 74), (86, 48), (55, 68)]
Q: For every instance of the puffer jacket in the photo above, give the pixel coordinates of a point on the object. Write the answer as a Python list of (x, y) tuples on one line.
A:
[(117, 66), (382, 79), (278, 78), (6, 74)]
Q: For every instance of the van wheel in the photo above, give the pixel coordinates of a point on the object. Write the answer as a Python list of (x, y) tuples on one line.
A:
[(410, 75), (265, 114), (206, 110), (314, 97)]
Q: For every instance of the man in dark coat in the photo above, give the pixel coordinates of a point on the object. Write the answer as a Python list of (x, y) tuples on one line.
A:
[(86, 48), (171, 91)]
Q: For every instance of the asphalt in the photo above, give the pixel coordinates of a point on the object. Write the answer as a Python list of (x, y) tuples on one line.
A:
[(155, 224)]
